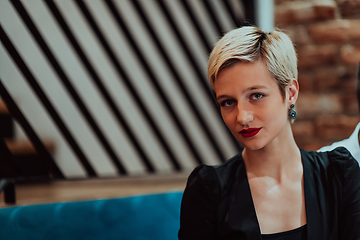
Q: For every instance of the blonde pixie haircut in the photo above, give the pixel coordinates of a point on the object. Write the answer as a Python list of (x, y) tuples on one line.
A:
[(250, 44)]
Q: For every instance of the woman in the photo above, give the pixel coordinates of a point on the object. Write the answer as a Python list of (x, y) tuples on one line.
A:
[(272, 189)]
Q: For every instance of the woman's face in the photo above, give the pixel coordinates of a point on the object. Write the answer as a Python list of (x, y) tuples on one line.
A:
[(251, 104)]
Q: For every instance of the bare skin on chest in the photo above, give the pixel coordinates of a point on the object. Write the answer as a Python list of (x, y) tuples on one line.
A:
[(279, 204)]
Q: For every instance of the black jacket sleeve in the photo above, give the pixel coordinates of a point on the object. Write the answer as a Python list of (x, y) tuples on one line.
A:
[(199, 205), (349, 177)]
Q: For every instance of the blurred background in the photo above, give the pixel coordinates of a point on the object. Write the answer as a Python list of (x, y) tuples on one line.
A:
[(118, 89)]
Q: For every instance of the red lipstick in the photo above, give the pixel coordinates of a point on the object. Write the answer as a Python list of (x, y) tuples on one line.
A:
[(249, 132)]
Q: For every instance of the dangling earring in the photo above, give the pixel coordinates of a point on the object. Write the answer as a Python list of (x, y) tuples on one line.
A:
[(292, 112)]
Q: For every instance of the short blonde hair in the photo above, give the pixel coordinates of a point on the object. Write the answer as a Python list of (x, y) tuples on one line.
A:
[(250, 44)]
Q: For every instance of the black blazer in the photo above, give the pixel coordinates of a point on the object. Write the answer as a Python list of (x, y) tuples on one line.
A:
[(217, 202)]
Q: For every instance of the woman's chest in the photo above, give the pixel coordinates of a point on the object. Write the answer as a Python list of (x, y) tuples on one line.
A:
[(278, 207)]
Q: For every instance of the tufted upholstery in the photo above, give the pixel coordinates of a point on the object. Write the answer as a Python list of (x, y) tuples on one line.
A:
[(131, 218)]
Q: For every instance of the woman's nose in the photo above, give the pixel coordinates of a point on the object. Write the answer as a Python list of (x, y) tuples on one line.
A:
[(244, 117)]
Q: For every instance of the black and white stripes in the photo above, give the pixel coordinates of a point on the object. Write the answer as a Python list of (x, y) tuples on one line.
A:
[(120, 85)]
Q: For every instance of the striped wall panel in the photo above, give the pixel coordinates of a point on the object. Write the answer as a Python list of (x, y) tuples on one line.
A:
[(120, 86)]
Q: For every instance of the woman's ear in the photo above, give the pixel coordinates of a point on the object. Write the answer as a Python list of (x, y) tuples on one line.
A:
[(292, 91)]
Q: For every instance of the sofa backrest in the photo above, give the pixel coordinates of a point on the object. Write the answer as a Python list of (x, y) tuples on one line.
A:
[(144, 217)]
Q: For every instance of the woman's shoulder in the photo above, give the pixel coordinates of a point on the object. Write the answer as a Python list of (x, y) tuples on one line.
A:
[(229, 168), (339, 154), (338, 160), (207, 174)]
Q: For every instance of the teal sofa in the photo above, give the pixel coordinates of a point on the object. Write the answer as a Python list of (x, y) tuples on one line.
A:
[(147, 217)]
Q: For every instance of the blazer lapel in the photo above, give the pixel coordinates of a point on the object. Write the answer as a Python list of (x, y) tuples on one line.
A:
[(242, 211), (313, 204)]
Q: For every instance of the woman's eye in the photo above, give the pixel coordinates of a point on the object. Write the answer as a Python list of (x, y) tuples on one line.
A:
[(256, 96), (227, 103)]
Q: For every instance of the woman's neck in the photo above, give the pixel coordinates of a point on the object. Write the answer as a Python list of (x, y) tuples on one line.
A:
[(280, 158)]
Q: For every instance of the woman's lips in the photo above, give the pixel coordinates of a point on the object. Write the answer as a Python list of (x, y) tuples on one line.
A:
[(249, 132)]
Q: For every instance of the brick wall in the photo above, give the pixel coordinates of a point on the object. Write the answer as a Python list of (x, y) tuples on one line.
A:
[(327, 38)]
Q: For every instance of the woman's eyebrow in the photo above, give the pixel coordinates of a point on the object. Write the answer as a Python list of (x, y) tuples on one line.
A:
[(252, 88), (256, 87), (222, 96)]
